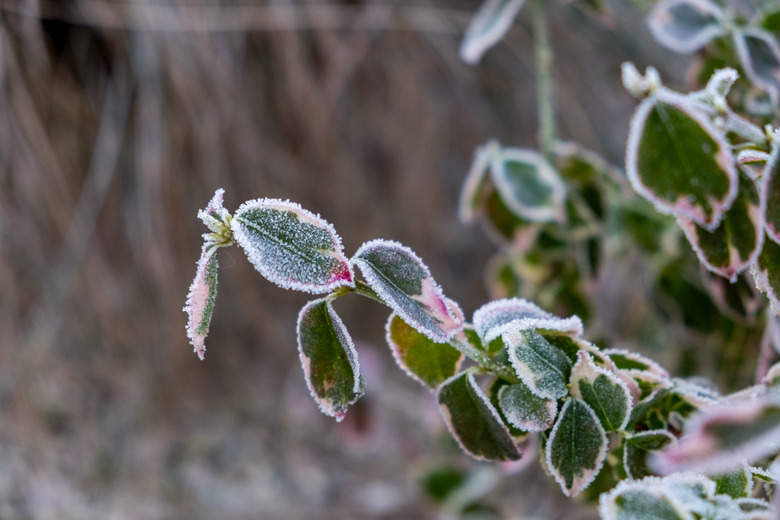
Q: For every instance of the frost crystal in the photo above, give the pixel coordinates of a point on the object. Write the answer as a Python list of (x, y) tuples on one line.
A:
[(497, 317)]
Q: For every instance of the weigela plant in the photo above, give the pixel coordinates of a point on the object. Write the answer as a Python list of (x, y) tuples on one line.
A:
[(610, 424)]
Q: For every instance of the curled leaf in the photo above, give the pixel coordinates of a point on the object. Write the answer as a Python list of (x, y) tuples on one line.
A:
[(686, 26), (201, 297), (499, 316), (329, 358), (474, 421), (290, 246), (404, 283), (576, 448), (679, 161), (421, 358), (488, 25), (638, 446)]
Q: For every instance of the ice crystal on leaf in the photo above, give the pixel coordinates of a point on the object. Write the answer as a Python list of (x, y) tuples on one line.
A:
[(497, 317), (201, 297), (290, 246)]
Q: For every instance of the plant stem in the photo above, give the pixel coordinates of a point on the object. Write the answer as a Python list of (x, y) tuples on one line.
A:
[(544, 82), (483, 360)]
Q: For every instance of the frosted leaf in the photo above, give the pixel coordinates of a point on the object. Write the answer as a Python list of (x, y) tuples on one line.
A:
[(721, 82), (766, 273), (290, 246), (486, 28), (524, 410), (216, 218), (678, 160), (201, 297), (770, 197), (736, 484), (405, 284), (607, 395), (759, 54), (628, 360), (720, 438), (641, 500), (686, 26), (735, 243), (638, 446), (329, 359), (529, 186), (576, 448), (473, 420), (421, 358), (497, 317), (477, 185), (541, 366)]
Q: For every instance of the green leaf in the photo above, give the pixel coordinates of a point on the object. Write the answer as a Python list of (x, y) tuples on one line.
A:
[(576, 448), (201, 298), (759, 54), (770, 198), (736, 484), (329, 359), (524, 410), (487, 27), (290, 246), (473, 420), (632, 501), (603, 391), (686, 26), (637, 447), (766, 273), (678, 160), (542, 367), (719, 438), (731, 247), (421, 358), (529, 186), (405, 284)]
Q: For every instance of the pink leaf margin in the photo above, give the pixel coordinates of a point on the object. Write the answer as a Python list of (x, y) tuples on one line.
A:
[(199, 305)]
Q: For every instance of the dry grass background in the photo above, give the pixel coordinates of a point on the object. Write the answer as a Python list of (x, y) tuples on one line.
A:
[(118, 120)]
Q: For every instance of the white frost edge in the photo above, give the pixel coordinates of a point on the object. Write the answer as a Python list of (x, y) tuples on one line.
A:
[(545, 172), (636, 128), (349, 348), (260, 265), (479, 37), (198, 341), (400, 362), (475, 179), (477, 391), (540, 319), (652, 365), (581, 483), (768, 174), (586, 368), (440, 336), (657, 21), (747, 64)]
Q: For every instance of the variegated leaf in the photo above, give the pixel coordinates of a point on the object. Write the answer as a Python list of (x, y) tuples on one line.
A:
[(290, 246), (524, 410), (499, 316), (759, 54), (686, 26), (603, 391), (421, 358), (541, 366), (474, 421), (766, 272), (576, 448), (637, 447), (731, 247), (487, 27), (201, 297), (678, 160), (404, 283), (329, 358), (770, 197)]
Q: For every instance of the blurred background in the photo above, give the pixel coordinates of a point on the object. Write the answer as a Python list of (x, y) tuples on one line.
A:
[(119, 119)]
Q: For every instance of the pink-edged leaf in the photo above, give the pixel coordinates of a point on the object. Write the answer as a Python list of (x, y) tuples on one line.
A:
[(607, 394), (529, 185), (403, 282), (477, 186), (720, 438), (678, 160), (497, 317), (290, 246), (759, 54), (201, 297), (576, 448), (638, 446), (329, 359), (731, 247), (686, 26), (770, 198), (488, 25), (421, 358), (766, 273), (474, 421)]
